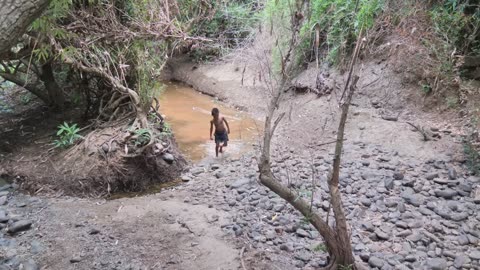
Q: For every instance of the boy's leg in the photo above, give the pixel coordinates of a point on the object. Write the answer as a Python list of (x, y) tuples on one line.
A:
[(216, 149), (225, 143)]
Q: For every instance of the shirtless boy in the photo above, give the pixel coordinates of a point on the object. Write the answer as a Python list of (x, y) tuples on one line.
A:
[(221, 133)]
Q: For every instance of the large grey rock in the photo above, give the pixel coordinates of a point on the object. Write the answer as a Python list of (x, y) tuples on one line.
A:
[(366, 202), (409, 182), (375, 262), (474, 255), (303, 233), (446, 193), (197, 171), (432, 176), (389, 184), (382, 235), (459, 261), (219, 174), (414, 199), (463, 240), (240, 183), (452, 173), (214, 167), (476, 195), (437, 264), (75, 259), (169, 158), (279, 207), (21, 225), (303, 256), (186, 178), (3, 217), (398, 175)]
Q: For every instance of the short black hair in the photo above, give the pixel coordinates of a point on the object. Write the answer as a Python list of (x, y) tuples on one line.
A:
[(215, 111)]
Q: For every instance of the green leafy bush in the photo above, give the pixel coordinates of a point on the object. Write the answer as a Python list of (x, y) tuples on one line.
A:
[(228, 23), (26, 98), (167, 129), (340, 22), (67, 135), (472, 157), (142, 136), (458, 23)]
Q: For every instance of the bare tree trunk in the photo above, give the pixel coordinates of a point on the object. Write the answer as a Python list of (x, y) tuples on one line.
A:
[(15, 17), (31, 87), (337, 241), (55, 93), (337, 238), (343, 236)]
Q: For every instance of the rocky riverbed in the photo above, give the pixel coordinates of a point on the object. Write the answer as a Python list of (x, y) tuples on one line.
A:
[(403, 214)]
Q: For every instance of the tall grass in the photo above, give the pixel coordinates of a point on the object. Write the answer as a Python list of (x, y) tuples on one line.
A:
[(339, 22)]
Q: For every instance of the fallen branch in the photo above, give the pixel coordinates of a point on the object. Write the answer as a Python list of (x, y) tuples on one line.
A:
[(426, 137)]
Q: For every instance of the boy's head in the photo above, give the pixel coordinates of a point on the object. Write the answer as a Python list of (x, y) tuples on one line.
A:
[(215, 112)]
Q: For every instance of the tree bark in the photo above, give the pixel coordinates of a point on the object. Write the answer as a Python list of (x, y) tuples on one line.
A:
[(15, 17), (31, 87), (344, 252), (55, 93)]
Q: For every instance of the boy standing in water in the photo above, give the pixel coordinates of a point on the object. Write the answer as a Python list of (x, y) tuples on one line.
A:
[(221, 133)]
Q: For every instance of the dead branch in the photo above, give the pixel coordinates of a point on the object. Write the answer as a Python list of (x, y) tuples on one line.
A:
[(426, 136)]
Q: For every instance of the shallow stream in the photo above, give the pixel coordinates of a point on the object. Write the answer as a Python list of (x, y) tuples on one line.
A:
[(188, 113)]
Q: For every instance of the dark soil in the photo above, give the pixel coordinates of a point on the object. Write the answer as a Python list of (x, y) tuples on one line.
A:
[(28, 155)]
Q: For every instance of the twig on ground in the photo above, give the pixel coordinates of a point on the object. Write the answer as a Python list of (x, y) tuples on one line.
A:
[(241, 258), (426, 137)]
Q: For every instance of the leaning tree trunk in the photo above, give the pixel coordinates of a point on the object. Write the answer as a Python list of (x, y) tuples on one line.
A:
[(15, 17), (55, 93), (29, 86)]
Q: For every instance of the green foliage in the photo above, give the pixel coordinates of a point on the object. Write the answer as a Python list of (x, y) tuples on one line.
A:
[(26, 98), (426, 88), (472, 156), (340, 24), (67, 135), (452, 102), (4, 106), (458, 24), (148, 68), (345, 267), (142, 136), (166, 129), (228, 23), (320, 248)]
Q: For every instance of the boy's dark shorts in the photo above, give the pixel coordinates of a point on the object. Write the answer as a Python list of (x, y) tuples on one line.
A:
[(221, 137)]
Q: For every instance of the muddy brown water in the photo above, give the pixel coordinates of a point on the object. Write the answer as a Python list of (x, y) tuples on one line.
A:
[(188, 112)]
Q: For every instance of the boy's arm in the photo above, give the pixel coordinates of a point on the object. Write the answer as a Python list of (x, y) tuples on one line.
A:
[(211, 130), (226, 123)]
